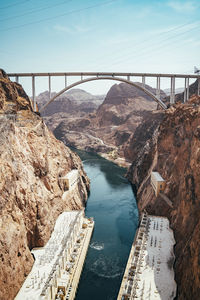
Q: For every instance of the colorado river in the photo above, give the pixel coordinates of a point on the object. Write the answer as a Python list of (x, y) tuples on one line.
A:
[(113, 206)]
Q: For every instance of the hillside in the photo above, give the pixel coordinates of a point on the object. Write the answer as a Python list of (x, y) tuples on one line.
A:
[(32, 161), (71, 102), (171, 147), (108, 128)]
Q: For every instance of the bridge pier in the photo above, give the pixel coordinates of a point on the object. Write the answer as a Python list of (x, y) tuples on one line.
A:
[(33, 93), (49, 87), (65, 81), (172, 93), (143, 81), (186, 90), (17, 79), (158, 87), (128, 77)]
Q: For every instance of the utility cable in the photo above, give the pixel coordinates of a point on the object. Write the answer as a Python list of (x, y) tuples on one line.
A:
[(59, 16), (130, 53), (34, 11), (153, 48), (14, 4)]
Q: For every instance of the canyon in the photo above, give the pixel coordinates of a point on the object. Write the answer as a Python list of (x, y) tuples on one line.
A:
[(107, 129), (32, 161), (125, 125), (172, 147), (155, 140)]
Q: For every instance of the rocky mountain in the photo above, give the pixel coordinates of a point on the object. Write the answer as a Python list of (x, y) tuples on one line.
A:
[(109, 128), (32, 162), (171, 146), (71, 102)]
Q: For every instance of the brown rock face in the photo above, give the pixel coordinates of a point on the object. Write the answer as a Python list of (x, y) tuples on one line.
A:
[(174, 151), (32, 161), (12, 96), (111, 126)]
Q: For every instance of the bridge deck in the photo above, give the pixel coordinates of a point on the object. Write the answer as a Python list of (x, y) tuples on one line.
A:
[(112, 74)]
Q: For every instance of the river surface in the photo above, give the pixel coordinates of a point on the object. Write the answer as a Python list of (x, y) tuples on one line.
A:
[(112, 204)]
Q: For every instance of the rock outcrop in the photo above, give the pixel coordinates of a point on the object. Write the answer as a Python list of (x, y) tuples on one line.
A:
[(173, 149), (32, 162), (108, 130)]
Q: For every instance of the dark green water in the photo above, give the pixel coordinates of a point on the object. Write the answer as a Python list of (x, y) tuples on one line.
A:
[(113, 206)]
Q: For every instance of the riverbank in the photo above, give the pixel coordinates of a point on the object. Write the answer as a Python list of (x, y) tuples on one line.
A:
[(120, 161)]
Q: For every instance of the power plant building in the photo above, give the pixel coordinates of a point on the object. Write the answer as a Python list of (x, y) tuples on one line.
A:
[(157, 182), (57, 268)]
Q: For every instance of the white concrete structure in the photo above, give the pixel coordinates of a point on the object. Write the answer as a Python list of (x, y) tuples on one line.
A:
[(70, 179), (57, 268), (149, 272), (157, 182)]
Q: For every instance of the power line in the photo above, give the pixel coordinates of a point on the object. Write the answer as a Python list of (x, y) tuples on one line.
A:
[(14, 4), (58, 16), (154, 48), (34, 10), (146, 41)]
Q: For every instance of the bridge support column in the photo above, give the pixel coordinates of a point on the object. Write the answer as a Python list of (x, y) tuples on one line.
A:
[(128, 77), (49, 87), (158, 88), (17, 79), (143, 81), (198, 88), (172, 93), (186, 90), (33, 93), (65, 81)]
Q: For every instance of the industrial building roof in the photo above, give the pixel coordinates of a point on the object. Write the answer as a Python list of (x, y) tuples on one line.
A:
[(157, 176)]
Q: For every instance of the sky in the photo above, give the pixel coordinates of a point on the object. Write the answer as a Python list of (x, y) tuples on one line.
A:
[(99, 35)]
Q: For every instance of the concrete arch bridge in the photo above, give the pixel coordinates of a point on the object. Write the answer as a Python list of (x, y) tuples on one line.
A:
[(122, 77)]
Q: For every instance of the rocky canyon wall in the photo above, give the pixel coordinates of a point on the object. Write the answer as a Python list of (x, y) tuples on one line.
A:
[(172, 147), (108, 129), (32, 162)]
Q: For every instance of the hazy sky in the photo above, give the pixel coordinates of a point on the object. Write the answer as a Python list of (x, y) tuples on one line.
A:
[(99, 35)]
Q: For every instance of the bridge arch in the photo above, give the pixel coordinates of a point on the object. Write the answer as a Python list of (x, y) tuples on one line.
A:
[(160, 102)]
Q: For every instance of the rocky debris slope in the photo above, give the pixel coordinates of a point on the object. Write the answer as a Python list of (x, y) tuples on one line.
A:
[(173, 149), (107, 130), (32, 161)]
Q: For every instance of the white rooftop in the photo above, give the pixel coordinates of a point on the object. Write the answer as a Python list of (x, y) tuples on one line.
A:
[(47, 258), (150, 267), (71, 173), (157, 176)]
